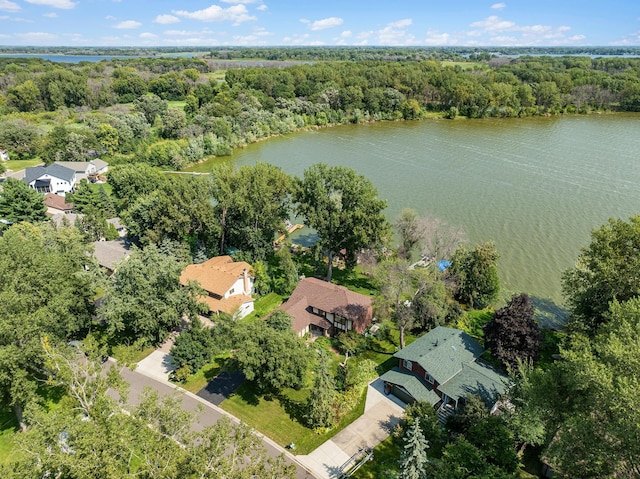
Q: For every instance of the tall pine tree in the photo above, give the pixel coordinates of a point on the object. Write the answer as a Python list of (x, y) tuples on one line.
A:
[(413, 462)]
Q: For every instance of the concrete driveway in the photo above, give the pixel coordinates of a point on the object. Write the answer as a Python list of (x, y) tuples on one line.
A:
[(381, 414)]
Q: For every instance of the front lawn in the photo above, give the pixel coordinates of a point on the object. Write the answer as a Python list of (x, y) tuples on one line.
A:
[(274, 417)]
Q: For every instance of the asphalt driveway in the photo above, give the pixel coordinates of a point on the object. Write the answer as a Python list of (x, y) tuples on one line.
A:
[(221, 387)]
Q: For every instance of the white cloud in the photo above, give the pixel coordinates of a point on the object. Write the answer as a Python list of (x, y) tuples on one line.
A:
[(239, 1), (346, 34), (494, 24), (236, 14), (50, 15), (394, 33), (63, 4), (262, 7), (37, 36), (127, 24), (148, 36), (323, 24), (498, 6), (166, 19), (435, 38), (110, 17), (8, 6)]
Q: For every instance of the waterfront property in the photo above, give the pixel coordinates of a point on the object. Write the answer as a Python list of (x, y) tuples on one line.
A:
[(323, 308), (228, 284), (441, 368)]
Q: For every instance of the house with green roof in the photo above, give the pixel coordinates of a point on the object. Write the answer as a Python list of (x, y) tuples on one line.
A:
[(442, 367)]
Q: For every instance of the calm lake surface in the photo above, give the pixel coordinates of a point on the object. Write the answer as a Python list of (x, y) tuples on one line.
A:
[(534, 186)]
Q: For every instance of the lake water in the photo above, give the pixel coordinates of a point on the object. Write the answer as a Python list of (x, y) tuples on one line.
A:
[(534, 186)]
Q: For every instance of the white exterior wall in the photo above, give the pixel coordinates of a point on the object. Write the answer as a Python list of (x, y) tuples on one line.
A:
[(245, 309), (238, 288), (57, 185)]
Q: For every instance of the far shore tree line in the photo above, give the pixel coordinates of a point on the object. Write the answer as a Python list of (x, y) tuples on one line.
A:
[(174, 112)]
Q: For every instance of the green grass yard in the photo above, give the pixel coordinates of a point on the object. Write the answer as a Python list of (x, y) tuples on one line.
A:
[(8, 430), (274, 417)]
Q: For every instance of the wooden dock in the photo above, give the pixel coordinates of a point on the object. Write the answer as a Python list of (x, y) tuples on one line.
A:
[(290, 230)]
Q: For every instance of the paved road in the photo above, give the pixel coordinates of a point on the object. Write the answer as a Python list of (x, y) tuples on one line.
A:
[(211, 415)]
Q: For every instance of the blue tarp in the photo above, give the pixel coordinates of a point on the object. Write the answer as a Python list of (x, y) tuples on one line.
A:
[(443, 264)]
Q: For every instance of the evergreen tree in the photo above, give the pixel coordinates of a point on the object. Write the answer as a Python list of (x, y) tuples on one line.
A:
[(18, 202), (414, 460), (289, 278), (321, 408)]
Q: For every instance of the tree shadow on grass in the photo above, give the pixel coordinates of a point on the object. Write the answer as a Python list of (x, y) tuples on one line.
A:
[(248, 394), (295, 409), (548, 314)]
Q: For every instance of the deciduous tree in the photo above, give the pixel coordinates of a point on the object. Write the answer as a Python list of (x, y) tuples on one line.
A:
[(270, 358), (513, 334), (605, 271), (145, 299), (344, 208), (477, 274)]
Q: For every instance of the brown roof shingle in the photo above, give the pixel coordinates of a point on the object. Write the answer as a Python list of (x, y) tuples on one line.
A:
[(315, 293), (216, 275)]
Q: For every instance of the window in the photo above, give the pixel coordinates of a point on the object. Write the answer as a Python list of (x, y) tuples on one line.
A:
[(429, 378), (231, 291), (407, 364)]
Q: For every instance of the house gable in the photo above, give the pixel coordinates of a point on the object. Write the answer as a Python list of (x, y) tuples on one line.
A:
[(327, 306), (228, 284), (446, 362)]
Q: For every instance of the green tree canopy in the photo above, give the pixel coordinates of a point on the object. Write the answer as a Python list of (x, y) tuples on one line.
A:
[(46, 289), (145, 299), (19, 203), (605, 271), (344, 208), (477, 274), (589, 402), (270, 358)]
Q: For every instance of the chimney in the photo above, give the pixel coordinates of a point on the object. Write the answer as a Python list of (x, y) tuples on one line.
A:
[(245, 277)]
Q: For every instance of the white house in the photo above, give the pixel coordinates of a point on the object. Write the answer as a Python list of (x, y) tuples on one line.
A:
[(228, 284), (50, 179)]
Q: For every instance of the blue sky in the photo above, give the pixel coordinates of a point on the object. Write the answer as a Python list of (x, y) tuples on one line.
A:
[(319, 22)]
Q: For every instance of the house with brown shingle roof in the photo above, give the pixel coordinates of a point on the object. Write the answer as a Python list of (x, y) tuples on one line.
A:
[(228, 284), (319, 307), (56, 204)]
